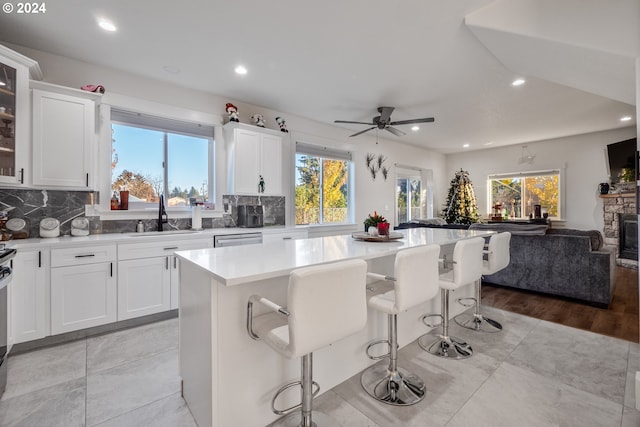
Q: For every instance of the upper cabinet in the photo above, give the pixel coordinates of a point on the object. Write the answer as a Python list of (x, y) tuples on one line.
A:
[(64, 136), (255, 159), (15, 71)]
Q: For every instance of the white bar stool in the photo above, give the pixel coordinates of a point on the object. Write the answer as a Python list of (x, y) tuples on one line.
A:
[(497, 258), (325, 304), (467, 268), (415, 282)]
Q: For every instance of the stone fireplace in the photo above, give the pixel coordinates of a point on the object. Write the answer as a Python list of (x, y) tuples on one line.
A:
[(621, 227)]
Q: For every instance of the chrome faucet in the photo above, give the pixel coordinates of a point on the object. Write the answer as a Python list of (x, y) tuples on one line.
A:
[(163, 218)]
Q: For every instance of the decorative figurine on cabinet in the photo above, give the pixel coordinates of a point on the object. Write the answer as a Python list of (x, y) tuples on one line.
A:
[(232, 112), (258, 120), (261, 185), (282, 124)]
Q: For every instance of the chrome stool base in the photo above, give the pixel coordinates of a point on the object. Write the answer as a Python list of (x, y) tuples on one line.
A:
[(477, 322), (401, 388), (447, 347), (293, 420)]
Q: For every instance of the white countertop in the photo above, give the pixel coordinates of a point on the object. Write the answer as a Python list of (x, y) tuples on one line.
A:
[(132, 237), (242, 264)]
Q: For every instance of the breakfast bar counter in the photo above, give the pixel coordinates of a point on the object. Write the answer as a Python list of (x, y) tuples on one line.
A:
[(228, 378)]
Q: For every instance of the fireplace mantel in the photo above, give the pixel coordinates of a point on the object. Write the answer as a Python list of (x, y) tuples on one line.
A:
[(613, 195)]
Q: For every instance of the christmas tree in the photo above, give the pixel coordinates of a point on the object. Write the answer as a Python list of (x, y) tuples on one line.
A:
[(461, 206)]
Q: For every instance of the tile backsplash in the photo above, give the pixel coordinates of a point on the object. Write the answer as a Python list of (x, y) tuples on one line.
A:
[(34, 205)]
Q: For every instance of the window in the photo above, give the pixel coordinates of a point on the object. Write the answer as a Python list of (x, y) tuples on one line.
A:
[(322, 185), (518, 193), (153, 156), (408, 196)]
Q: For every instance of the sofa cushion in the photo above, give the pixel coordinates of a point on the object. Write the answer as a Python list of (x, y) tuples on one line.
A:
[(518, 229), (594, 235)]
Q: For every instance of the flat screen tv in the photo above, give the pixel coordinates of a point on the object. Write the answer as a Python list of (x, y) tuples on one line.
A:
[(621, 158)]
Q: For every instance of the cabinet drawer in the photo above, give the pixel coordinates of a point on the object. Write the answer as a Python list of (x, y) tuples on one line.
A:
[(156, 249), (83, 255)]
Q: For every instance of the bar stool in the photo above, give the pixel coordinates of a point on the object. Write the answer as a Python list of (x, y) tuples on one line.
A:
[(325, 304), (415, 282), (467, 268), (497, 259)]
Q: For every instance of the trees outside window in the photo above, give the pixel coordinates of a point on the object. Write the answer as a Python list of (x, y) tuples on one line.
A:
[(150, 158), (519, 193), (321, 190)]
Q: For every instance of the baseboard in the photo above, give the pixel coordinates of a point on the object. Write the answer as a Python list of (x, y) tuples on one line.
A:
[(638, 390)]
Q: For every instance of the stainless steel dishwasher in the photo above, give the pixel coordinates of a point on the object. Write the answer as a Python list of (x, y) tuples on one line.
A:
[(240, 239)]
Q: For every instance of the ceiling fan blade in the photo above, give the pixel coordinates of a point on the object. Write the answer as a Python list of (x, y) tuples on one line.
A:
[(395, 131), (357, 123), (410, 122), (362, 131), (385, 113)]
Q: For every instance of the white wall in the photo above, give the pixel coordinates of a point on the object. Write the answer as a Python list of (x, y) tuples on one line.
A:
[(369, 195), (582, 157)]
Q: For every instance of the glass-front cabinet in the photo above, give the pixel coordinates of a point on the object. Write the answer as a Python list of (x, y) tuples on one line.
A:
[(15, 70)]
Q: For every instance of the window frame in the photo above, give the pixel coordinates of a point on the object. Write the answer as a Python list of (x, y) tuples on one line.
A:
[(523, 175), (326, 153), (100, 205)]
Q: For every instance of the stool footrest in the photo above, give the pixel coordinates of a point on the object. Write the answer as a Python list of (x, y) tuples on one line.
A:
[(285, 388), (463, 301), (431, 325), (376, 343)]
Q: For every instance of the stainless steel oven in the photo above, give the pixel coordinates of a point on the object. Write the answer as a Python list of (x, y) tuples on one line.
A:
[(5, 278)]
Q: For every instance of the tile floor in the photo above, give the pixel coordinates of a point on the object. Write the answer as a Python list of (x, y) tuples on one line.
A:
[(534, 373)]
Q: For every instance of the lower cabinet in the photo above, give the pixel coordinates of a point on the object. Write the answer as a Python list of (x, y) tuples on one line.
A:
[(83, 288), (144, 287), (285, 235), (30, 314), (148, 277)]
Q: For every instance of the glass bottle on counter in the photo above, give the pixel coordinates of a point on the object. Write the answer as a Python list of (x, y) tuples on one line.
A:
[(115, 202)]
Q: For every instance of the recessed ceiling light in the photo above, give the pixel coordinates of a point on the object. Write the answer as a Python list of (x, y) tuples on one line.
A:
[(415, 128), (625, 118), (171, 69), (518, 82), (107, 25), (466, 145), (241, 70)]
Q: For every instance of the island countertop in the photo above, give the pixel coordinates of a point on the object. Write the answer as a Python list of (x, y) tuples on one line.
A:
[(243, 264)]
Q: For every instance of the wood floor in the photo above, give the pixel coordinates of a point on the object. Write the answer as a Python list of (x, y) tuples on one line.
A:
[(620, 320)]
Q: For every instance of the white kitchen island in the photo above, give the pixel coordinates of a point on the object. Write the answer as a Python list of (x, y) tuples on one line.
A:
[(228, 378)]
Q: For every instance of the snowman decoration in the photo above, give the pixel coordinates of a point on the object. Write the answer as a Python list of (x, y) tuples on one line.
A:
[(258, 120), (282, 124), (232, 112)]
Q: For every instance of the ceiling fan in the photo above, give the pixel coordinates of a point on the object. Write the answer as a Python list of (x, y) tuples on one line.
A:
[(383, 121)]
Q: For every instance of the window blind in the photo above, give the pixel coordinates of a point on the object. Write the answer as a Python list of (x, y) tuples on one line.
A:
[(161, 123), (325, 152)]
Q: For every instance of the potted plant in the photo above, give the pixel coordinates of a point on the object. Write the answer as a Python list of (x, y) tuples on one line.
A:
[(373, 221)]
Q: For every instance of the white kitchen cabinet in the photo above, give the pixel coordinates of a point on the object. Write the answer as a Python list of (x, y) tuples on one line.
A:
[(254, 152), (64, 134), (15, 135), (30, 310), (284, 235), (148, 275), (83, 287)]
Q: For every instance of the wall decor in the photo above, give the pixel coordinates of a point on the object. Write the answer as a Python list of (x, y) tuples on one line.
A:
[(258, 120), (232, 112), (375, 164)]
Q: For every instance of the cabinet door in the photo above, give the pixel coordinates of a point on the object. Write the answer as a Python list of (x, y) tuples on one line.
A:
[(82, 296), (246, 167), (271, 164), (63, 128), (14, 121), (30, 296), (144, 286)]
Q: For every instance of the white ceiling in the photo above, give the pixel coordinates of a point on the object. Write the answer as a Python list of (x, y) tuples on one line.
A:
[(327, 60)]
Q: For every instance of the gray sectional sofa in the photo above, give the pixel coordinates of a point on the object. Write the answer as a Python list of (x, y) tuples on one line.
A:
[(565, 262)]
